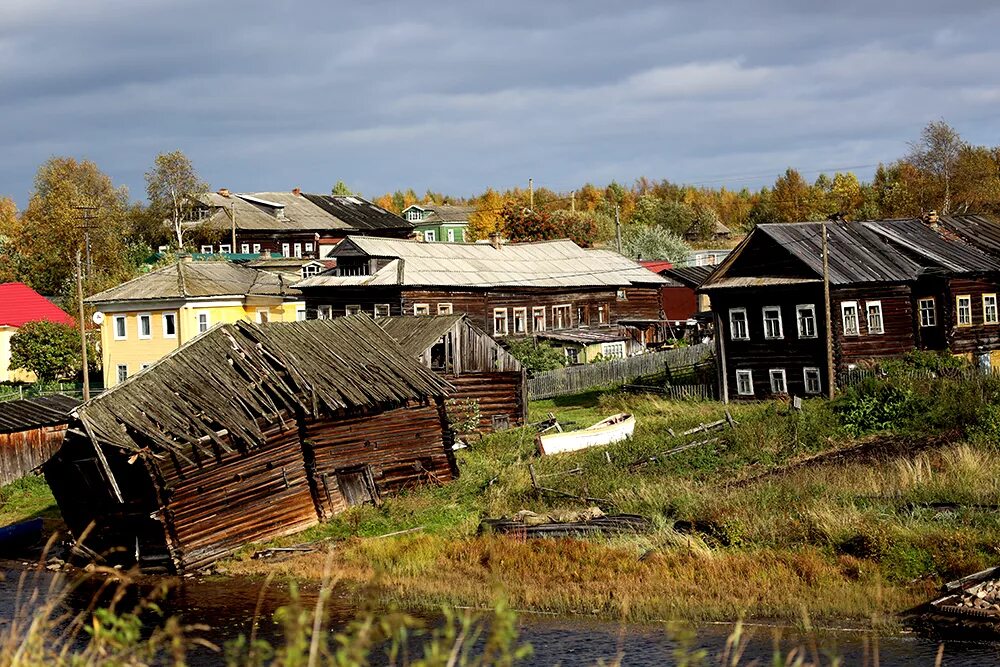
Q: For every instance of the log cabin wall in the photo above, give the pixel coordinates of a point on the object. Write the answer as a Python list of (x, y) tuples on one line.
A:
[(931, 336), (760, 355), (401, 447), (500, 395), (22, 452), (897, 316), (977, 336)]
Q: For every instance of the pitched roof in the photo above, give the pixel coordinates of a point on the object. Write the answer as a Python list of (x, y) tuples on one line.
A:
[(19, 304), (976, 230), (559, 263), (238, 377), (444, 212), (939, 247), (689, 276), (30, 413), (189, 279), (358, 214), (417, 333), (224, 207)]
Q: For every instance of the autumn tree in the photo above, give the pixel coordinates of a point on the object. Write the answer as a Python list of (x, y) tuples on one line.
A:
[(9, 230), (340, 189), (846, 194), (792, 198), (168, 185), (486, 220), (585, 228), (653, 242), (51, 230), (936, 154)]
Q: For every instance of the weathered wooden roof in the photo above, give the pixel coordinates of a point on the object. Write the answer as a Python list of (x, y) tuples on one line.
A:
[(237, 376), (29, 413), (938, 247), (191, 279), (417, 333), (559, 263), (977, 230)]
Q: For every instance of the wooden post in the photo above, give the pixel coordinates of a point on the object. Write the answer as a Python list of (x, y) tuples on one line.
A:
[(618, 230), (233, 208), (830, 379), (83, 328), (531, 194)]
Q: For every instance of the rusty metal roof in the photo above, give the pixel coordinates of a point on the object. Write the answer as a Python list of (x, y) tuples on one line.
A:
[(236, 377), (29, 413)]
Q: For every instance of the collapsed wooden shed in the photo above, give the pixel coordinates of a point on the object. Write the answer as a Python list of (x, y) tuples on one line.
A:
[(247, 433), (31, 430), (478, 367)]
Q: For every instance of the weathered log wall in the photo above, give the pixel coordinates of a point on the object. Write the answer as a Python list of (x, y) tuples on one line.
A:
[(498, 394), (23, 452)]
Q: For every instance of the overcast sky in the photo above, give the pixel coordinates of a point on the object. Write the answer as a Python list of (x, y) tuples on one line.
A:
[(269, 95)]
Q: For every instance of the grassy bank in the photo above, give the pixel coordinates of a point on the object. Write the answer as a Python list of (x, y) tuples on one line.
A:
[(814, 511)]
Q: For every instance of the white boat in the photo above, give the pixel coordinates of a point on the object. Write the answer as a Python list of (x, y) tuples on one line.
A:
[(613, 429)]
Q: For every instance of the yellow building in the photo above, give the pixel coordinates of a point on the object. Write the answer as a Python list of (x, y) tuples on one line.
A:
[(148, 317)]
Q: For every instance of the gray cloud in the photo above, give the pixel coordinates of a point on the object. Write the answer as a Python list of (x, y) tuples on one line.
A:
[(455, 97)]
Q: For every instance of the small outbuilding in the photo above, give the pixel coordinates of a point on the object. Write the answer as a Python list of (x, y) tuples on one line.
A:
[(31, 431), (478, 367), (247, 433)]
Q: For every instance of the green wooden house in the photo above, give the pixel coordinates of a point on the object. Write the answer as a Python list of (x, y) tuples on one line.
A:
[(439, 222)]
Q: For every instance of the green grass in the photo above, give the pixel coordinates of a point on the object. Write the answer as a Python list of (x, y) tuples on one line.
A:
[(27, 498)]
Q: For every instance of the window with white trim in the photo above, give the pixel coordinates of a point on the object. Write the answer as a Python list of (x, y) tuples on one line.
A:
[(500, 321), (204, 321), (381, 310), (309, 247), (805, 316), (613, 350), (601, 315), (812, 380), (744, 383), (300, 314), (990, 315), (520, 320), (256, 247), (445, 309), (421, 309), (778, 384), (225, 247), (849, 315), (430, 236), (297, 250), (451, 236), (772, 322), (875, 322), (245, 248), (561, 318), (263, 315), (145, 326), (738, 329), (352, 309), (207, 249), (122, 372), (121, 333), (928, 312), (538, 318), (169, 325), (285, 249), (324, 313), (963, 308), (310, 270)]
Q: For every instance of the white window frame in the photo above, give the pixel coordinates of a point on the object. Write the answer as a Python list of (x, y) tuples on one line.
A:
[(245, 248), (844, 306), (148, 319), (309, 247), (748, 376), (451, 236), (771, 372), (121, 372), (382, 310), (260, 314), (297, 250), (568, 321), (256, 248), (207, 250), (535, 311), (520, 315), (164, 318), (420, 309), (208, 320), (286, 250), (114, 322), (986, 309), (812, 370), (430, 236), (300, 314), (500, 331), (781, 326), (445, 309), (967, 298), (932, 311), (352, 309), (600, 314), (811, 308), (868, 317), (615, 350), (732, 321), (324, 312), (225, 248)]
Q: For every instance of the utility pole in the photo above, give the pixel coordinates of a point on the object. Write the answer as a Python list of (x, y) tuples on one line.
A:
[(233, 216), (83, 328), (830, 381), (531, 194), (618, 230), (572, 201), (86, 218)]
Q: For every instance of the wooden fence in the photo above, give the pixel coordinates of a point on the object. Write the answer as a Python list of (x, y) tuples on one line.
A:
[(22, 391), (575, 379)]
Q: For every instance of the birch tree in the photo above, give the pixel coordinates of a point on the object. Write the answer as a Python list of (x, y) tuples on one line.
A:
[(171, 180)]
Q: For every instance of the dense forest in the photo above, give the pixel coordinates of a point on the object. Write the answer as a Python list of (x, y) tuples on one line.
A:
[(73, 200)]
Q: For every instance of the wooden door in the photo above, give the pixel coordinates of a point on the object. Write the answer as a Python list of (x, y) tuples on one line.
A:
[(357, 485)]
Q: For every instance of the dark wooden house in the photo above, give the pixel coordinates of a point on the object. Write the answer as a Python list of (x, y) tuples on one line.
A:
[(892, 284), (478, 367), (247, 433), (509, 290), (31, 431)]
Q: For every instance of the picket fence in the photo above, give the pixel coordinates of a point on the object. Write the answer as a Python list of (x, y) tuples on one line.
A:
[(575, 379)]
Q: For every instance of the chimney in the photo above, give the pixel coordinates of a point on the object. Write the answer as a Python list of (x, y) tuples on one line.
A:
[(495, 240), (224, 192), (931, 219), (297, 192)]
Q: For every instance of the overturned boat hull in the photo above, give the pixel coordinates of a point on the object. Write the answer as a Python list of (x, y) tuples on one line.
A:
[(605, 432)]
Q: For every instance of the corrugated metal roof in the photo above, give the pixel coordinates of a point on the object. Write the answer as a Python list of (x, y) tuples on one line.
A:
[(976, 230), (689, 276), (417, 333), (19, 304), (359, 214), (940, 247), (30, 413), (559, 263), (237, 376), (443, 212), (196, 279)]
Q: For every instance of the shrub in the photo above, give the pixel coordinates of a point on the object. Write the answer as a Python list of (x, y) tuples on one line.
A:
[(876, 405), (536, 358), (50, 350)]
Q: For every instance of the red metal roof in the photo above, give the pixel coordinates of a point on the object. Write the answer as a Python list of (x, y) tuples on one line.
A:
[(656, 265), (19, 304)]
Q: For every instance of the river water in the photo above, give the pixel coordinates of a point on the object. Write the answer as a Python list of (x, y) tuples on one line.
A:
[(227, 606)]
